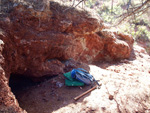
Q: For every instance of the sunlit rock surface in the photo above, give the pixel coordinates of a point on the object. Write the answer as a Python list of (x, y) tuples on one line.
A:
[(40, 43)]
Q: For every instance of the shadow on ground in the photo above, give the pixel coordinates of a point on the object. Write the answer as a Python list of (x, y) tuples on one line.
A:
[(125, 87), (49, 96)]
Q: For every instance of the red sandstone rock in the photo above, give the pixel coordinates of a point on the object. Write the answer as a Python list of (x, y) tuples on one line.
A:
[(37, 40), (47, 68), (8, 102), (38, 43)]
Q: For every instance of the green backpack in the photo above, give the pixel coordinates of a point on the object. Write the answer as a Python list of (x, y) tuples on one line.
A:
[(78, 77)]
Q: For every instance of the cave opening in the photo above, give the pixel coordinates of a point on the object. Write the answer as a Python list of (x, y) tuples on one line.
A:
[(23, 88), (18, 82)]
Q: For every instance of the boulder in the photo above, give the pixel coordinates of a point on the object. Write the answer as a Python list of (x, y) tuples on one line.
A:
[(40, 43), (33, 38)]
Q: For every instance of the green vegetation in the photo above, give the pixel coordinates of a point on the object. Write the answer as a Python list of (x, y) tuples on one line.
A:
[(138, 25), (117, 13)]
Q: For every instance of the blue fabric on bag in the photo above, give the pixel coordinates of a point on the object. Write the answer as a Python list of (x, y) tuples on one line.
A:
[(69, 81), (82, 75)]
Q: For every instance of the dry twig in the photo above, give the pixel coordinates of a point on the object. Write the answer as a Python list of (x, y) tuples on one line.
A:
[(134, 11)]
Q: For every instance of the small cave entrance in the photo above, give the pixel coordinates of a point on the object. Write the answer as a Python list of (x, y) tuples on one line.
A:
[(21, 85), (18, 82)]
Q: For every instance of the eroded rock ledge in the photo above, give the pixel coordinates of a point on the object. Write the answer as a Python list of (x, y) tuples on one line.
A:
[(40, 44)]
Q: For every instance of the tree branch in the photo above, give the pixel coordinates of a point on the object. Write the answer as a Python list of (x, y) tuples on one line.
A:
[(79, 3), (135, 11)]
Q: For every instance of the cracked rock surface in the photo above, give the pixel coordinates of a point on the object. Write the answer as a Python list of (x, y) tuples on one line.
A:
[(35, 41)]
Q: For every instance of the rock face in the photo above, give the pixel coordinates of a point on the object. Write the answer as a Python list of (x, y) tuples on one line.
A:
[(39, 43), (34, 41), (8, 102)]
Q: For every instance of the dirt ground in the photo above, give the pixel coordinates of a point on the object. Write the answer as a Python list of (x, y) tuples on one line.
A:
[(125, 89)]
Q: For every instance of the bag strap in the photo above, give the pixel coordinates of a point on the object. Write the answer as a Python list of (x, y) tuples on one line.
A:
[(85, 74)]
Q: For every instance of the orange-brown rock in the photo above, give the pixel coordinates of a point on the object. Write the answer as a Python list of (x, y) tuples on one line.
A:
[(8, 102), (33, 40), (38, 43)]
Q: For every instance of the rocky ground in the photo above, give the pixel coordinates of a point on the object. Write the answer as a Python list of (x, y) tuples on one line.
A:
[(125, 89), (39, 43)]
